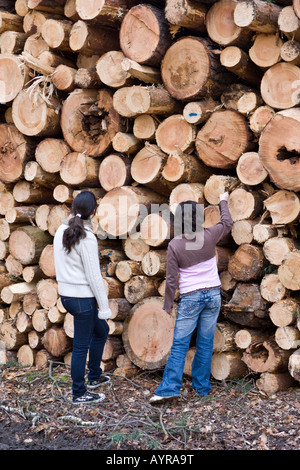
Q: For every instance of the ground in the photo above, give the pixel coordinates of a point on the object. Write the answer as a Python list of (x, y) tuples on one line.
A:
[(36, 413)]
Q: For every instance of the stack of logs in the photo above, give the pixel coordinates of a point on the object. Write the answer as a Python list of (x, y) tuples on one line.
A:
[(150, 105)]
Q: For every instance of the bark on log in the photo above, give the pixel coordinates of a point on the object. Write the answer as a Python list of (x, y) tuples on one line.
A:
[(124, 142), (87, 78), (186, 14), (257, 15), (245, 337), (197, 112), (90, 128), (34, 173), (12, 42), (56, 34), (216, 142), (247, 307), (11, 337), (148, 334), (290, 52), (190, 70), (185, 168), (120, 308), (144, 34), (16, 292), (109, 12), (28, 193), (246, 263), (241, 98), (89, 40), (271, 383), (144, 73), (289, 23), (126, 269)]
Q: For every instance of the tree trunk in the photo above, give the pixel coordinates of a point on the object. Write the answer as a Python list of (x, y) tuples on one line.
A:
[(273, 383), (11, 337), (284, 312), (246, 337), (289, 23), (242, 231), (266, 357), (56, 215), (175, 134), (78, 169), (30, 303), (114, 171), (216, 185), (280, 86), (276, 249), (16, 292), (50, 152), (47, 293), (257, 15), (110, 71), (260, 118), (113, 287), (33, 116), (294, 365), (89, 127), (157, 229), (63, 78), (246, 263), (124, 142), (135, 100), (237, 61), (27, 243), (89, 40), (28, 193), (26, 356), (135, 248), (283, 206), (40, 320), (140, 287), (126, 269), (290, 52), (34, 173), (10, 22), (241, 98), (247, 307), (144, 73), (15, 150), (183, 76), (186, 192), (144, 127), (221, 27), (144, 35), (148, 334), (53, 6), (186, 14), (287, 337), (279, 151), (271, 288), (109, 12), (120, 210), (147, 167), (46, 261), (12, 42), (35, 340), (120, 308), (87, 78), (154, 263), (56, 34), (266, 50), (228, 365), (245, 204), (250, 170), (197, 112), (224, 337), (263, 232), (288, 271), (217, 144), (56, 341)]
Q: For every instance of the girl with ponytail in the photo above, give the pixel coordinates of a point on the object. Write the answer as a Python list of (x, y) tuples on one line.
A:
[(82, 292)]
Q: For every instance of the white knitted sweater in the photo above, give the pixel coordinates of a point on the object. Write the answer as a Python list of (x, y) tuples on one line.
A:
[(78, 272)]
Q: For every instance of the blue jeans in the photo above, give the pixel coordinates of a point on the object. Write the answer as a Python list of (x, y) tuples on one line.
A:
[(199, 309), (90, 334)]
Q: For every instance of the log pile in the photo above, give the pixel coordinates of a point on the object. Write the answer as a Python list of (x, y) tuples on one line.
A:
[(150, 104)]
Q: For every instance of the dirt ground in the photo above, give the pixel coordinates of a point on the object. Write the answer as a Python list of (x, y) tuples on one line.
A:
[(36, 413)]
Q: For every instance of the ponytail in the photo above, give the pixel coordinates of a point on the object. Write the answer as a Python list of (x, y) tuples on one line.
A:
[(84, 205)]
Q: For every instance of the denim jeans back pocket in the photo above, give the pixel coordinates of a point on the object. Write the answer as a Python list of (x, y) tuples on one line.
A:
[(75, 305)]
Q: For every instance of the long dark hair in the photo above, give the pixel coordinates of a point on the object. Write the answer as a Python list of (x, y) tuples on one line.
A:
[(84, 205), (188, 218)]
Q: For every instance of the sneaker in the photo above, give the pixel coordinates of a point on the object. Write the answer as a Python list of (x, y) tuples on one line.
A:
[(88, 398), (104, 379), (156, 399)]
